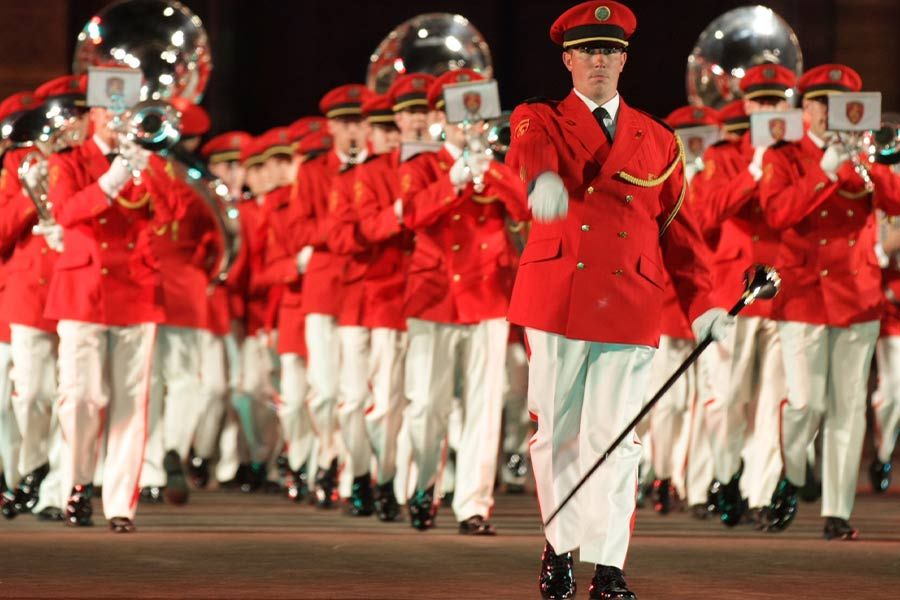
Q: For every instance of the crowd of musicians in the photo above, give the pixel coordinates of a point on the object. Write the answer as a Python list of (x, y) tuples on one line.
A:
[(369, 347)]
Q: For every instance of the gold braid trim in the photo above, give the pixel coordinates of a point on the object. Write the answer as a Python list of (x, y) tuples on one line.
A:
[(683, 186), (658, 180), (134, 205), (853, 195)]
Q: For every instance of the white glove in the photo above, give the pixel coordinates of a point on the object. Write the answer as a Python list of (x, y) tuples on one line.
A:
[(398, 209), (755, 167), (52, 232), (34, 177), (137, 157), (460, 173), (832, 160), (479, 163), (549, 199), (115, 177), (715, 323), (303, 258)]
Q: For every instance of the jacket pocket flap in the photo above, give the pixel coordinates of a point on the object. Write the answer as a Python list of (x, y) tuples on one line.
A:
[(651, 271), (538, 250), (73, 260)]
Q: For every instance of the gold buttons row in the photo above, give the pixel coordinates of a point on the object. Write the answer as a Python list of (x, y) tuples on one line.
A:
[(628, 198)]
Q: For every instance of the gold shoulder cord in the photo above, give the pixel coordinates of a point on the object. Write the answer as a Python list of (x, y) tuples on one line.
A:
[(136, 204), (647, 183), (853, 195)]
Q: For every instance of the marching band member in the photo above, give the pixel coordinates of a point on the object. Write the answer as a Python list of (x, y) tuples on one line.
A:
[(828, 316), (745, 370), (594, 257), (456, 295)]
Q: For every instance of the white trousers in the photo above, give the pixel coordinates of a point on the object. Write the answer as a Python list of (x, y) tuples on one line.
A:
[(584, 394), (34, 380), (827, 372), (886, 399), (106, 370), (175, 394), (516, 421), (214, 392), (671, 414), (324, 346), (434, 351), (260, 417), (748, 385), (296, 424), (10, 439)]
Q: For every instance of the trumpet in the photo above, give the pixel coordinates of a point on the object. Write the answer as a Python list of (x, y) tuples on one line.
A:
[(881, 146), (36, 186), (853, 146)]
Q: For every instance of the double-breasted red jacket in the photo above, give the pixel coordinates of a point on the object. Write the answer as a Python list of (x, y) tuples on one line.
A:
[(830, 274), (725, 200), (30, 265), (257, 290), (462, 267), (107, 272), (597, 273)]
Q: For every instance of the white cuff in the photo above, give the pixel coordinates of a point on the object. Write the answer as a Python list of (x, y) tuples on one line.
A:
[(755, 171)]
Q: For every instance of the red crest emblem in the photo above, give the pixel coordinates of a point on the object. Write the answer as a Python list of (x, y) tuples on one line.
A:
[(472, 102), (778, 129), (855, 112)]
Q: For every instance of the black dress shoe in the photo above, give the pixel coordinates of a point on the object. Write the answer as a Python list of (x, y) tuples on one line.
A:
[(731, 504), (517, 467), (152, 495), (712, 496), (50, 513), (783, 508), (78, 507), (198, 471), (447, 499), (298, 485), (121, 525), (557, 579), (662, 494), (422, 509), (880, 475), (386, 506), (241, 478), (812, 489), (326, 485), (8, 504), (699, 511), (476, 526), (362, 501), (176, 490), (609, 584), (839, 529), (27, 492)]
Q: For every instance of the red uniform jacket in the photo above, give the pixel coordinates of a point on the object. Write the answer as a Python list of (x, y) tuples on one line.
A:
[(461, 270), (345, 241), (377, 188), (597, 274), (828, 266), (30, 266), (890, 324), (256, 290), (107, 273), (725, 201)]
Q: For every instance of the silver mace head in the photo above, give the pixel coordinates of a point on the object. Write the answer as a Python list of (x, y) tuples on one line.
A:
[(761, 282)]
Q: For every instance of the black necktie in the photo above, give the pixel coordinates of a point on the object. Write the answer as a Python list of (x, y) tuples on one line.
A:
[(111, 157), (600, 114)]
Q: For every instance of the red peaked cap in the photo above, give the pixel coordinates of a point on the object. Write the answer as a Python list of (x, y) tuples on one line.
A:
[(194, 119), (597, 23), (344, 101), (692, 116), (71, 89), (829, 79), (732, 116), (379, 109), (252, 153), (304, 126), (277, 141), (225, 146), (410, 90), (318, 141), (17, 105), (767, 80), (436, 91)]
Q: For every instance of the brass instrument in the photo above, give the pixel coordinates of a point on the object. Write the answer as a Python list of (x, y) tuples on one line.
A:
[(881, 146), (36, 162)]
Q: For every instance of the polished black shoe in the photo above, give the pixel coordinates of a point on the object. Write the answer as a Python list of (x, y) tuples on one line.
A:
[(476, 525), (121, 525), (422, 509), (8, 504), (712, 496), (27, 492), (326, 485), (609, 584), (198, 471), (839, 529), (298, 485), (880, 475), (662, 495), (447, 499), (700, 511), (386, 506), (517, 469), (241, 478), (176, 490), (152, 495), (731, 505), (362, 501), (50, 513), (812, 489), (78, 507), (783, 508), (557, 578)]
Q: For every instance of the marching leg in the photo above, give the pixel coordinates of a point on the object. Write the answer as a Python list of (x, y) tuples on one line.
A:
[(324, 362), (385, 416), (886, 409), (295, 423), (355, 396)]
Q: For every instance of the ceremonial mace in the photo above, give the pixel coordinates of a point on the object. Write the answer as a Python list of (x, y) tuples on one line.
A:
[(761, 283)]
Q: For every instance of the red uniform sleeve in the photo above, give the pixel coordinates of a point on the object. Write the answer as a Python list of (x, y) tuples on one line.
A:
[(500, 182), (720, 191), (377, 222), (306, 220), (533, 151), (344, 237), (423, 202), (787, 191), (886, 195), (71, 204)]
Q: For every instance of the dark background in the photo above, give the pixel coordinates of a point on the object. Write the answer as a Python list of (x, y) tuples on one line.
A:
[(274, 59)]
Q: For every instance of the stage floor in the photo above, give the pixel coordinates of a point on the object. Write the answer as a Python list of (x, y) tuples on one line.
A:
[(231, 545)]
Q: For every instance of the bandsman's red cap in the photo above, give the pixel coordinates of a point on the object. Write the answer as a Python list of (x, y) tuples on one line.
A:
[(277, 142), (410, 90), (225, 147), (733, 118), (252, 154), (304, 126), (596, 23), (69, 89), (344, 101), (767, 80), (379, 110), (692, 116), (316, 142), (436, 91), (194, 119), (829, 79), (15, 106)]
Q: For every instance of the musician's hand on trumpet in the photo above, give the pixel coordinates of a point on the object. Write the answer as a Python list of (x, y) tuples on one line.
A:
[(52, 232), (835, 156)]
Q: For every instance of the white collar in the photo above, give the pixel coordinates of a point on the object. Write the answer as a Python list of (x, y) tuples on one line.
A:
[(611, 105), (453, 150), (819, 142), (104, 148), (360, 156)]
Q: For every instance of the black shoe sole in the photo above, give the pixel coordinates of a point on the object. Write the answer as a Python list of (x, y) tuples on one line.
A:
[(176, 490)]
